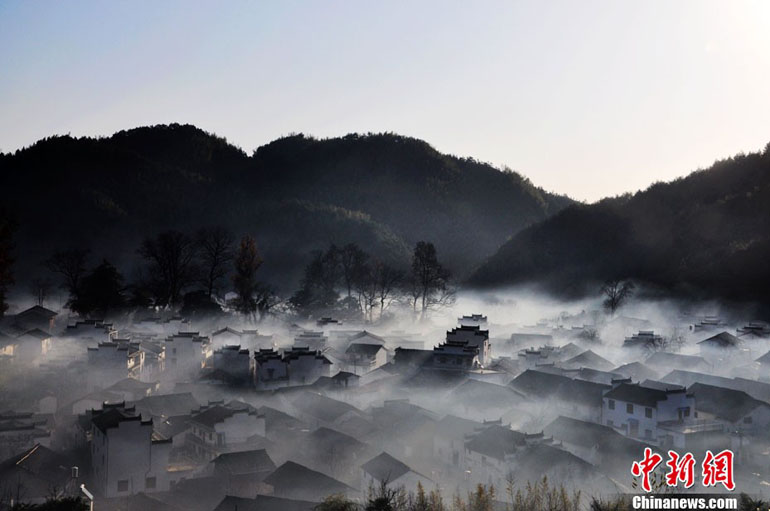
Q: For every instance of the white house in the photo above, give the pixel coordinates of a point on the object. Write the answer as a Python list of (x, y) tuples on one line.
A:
[(474, 336), (636, 411), (226, 336), (124, 457), (186, 353), (362, 357)]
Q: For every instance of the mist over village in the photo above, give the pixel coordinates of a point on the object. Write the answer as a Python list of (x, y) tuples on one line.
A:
[(348, 304)]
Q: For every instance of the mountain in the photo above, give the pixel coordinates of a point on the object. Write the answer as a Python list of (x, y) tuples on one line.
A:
[(382, 191), (705, 235)]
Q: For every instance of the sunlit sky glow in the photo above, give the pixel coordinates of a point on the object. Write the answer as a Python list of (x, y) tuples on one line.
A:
[(588, 98)]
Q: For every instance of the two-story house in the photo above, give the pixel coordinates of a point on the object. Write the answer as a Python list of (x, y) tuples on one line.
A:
[(636, 411), (125, 458)]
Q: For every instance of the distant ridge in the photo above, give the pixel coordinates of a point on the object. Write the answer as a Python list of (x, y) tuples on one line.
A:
[(706, 235), (382, 191)]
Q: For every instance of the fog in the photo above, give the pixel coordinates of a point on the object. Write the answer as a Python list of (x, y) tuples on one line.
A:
[(226, 422)]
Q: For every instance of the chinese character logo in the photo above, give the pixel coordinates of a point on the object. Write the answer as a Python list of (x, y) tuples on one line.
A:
[(716, 469), (646, 466)]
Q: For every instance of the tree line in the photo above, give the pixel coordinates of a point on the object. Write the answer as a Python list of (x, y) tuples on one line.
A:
[(178, 271), (190, 272), (347, 279)]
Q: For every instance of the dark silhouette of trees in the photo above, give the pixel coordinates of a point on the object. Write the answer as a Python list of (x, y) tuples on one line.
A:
[(429, 280), (266, 299), (170, 258), (377, 285), (368, 285), (318, 289), (101, 292), (247, 262), (7, 228), (352, 262), (40, 288), (616, 293), (389, 282), (216, 255), (71, 266)]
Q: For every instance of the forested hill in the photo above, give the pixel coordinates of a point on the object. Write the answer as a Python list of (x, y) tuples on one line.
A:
[(707, 234), (383, 191)]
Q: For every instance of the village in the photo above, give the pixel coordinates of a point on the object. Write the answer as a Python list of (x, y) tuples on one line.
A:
[(169, 413)]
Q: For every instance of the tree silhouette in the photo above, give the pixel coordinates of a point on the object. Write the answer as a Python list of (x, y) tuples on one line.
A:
[(40, 289), (430, 280), (101, 292), (352, 262), (216, 255), (71, 265), (171, 265), (247, 262), (318, 289), (616, 293)]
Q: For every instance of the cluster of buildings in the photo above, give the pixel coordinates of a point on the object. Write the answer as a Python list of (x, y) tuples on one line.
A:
[(165, 414)]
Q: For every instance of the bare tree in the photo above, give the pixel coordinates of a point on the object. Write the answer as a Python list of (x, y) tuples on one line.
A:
[(171, 260), (71, 265), (266, 300), (616, 293), (247, 262), (388, 282), (430, 280), (216, 254), (40, 289), (352, 261), (365, 285)]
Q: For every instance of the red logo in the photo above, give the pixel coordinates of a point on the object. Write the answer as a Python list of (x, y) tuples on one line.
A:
[(717, 469), (644, 467), (680, 469)]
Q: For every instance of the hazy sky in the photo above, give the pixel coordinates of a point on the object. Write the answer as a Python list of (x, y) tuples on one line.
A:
[(587, 98)]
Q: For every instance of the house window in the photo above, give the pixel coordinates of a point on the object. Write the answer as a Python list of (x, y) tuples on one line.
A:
[(610, 423), (687, 412), (123, 485), (611, 404), (629, 408), (747, 420), (648, 413), (149, 483)]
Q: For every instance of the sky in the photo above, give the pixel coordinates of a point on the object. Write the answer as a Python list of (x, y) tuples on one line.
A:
[(589, 98)]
